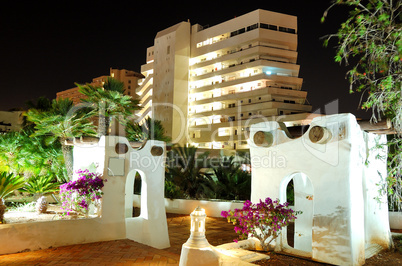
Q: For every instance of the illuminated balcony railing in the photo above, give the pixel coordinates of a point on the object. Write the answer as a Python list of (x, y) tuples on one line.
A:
[(235, 81), (226, 53), (225, 36)]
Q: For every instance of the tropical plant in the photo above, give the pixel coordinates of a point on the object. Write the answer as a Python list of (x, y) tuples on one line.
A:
[(27, 156), (41, 104), (172, 191), (38, 158), (185, 169), (150, 129), (41, 185), (372, 36), (8, 183), (76, 196), (10, 156), (62, 122), (109, 102), (263, 220), (232, 181)]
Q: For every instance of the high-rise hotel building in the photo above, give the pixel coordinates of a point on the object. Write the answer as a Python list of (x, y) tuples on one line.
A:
[(208, 85)]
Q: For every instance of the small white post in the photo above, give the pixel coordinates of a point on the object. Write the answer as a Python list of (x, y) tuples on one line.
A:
[(197, 250), (197, 231)]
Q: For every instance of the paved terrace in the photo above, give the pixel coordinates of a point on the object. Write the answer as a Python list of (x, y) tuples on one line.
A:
[(125, 252)]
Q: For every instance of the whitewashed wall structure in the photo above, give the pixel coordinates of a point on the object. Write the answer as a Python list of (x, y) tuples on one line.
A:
[(118, 162), (335, 169)]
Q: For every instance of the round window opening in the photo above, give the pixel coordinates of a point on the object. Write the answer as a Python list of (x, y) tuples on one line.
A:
[(121, 148), (319, 135), (263, 139)]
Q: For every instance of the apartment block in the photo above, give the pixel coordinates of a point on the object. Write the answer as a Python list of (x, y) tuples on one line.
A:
[(128, 77), (11, 121), (208, 85)]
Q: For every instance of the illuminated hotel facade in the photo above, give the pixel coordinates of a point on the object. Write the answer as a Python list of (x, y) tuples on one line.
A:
[(208, 85)]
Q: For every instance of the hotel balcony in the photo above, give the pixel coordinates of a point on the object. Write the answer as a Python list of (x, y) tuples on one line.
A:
[(256, 92), (260, 76), (238, 54), (252, 64), (259, 106), (286, 40)]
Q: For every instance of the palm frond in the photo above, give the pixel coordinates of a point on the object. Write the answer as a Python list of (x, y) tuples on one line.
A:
[(41, 185), (9, 183)]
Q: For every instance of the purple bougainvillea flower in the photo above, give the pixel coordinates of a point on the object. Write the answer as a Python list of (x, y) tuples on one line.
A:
[(263, 220), (81, 192)]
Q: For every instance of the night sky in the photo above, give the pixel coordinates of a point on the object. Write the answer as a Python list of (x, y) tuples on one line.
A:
[(46, 48)]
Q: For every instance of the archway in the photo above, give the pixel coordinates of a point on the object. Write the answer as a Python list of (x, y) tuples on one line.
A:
[(303, 201), (133, 183)]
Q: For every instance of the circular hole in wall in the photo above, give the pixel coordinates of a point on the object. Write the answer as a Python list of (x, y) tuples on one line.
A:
[(319, 135), (156, 150), (263, 139), (121, 148)]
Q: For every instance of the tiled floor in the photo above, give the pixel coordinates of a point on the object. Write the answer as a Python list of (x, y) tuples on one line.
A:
[(125, 252)]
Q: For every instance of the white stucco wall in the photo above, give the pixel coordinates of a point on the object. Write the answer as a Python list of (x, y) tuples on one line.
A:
[(115, 222), (344, 217)]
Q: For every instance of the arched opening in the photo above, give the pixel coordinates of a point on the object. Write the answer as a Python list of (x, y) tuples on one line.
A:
[(290, 198), (133, 189), (303, 201), (137, 191)]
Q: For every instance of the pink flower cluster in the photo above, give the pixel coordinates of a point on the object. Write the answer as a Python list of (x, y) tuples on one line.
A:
[(263, 220), (77, 195)]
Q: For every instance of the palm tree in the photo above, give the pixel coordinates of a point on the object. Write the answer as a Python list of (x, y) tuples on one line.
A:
[(62, 122), (109, 102), (185, 170), (151, 129), (42, 104), (8, 183), (232, 181)]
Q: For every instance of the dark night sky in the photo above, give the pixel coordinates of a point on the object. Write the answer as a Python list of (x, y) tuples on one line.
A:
[(45, 48)]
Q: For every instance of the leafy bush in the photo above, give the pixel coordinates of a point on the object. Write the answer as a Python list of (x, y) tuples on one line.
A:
[(232, 182), (263, 220), (172, 191), (41, 185), (8, 183), (186, 168)]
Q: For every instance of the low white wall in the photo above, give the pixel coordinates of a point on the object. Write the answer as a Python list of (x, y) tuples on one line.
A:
[(183, 206), (43, 235), (395, 220)]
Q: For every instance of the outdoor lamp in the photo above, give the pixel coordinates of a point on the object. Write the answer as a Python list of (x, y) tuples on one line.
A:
[(197, 229)]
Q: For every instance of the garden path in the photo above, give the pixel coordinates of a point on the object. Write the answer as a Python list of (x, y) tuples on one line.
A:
[(127, 252)]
